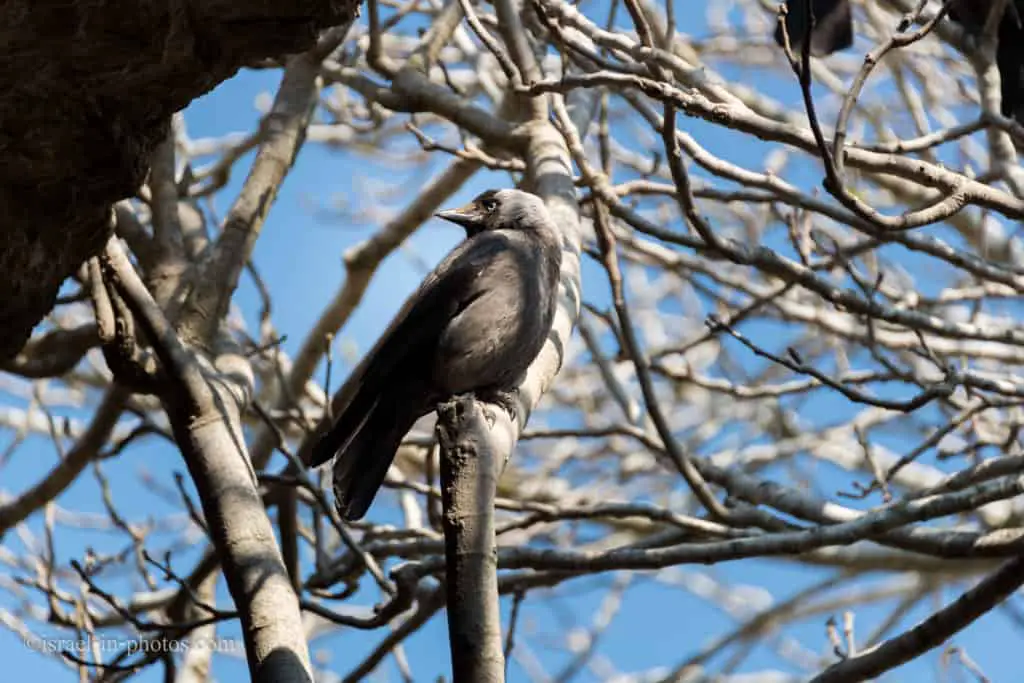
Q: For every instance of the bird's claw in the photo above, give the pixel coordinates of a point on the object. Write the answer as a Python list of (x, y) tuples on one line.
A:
[(507, 400)]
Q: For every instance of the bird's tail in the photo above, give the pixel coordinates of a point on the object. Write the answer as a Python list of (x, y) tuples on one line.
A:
[(365, 453)]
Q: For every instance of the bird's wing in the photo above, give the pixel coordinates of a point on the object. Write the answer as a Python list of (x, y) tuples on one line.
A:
[(405, 349)]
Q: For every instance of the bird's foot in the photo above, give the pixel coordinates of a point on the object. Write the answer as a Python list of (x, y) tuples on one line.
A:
[(506, 399)]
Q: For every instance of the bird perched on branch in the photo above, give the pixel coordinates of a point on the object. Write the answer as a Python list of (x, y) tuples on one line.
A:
[(833, 31), (474, 326)]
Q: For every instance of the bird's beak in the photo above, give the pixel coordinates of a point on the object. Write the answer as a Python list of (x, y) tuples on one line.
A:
[(467, 216)]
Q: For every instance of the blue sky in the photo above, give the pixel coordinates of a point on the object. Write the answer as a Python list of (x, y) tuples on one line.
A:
[(299, 255)]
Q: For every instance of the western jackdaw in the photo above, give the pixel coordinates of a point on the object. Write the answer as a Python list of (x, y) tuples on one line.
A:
[(474, 326)]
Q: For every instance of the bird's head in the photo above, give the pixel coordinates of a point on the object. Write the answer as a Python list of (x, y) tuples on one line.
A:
[(497, 210)]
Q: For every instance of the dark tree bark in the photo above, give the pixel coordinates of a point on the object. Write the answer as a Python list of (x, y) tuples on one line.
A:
[(86, 92)]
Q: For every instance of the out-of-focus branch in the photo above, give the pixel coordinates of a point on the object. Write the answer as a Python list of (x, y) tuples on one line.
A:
[(286, 124), (74, 462), (53, 353), (606, 242), (195, 665), (931, 632), (411, 92)]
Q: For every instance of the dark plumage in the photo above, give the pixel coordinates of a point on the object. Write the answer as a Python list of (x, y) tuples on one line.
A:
[(474, 325), (1009, 52), (833, 26), (833, 31)]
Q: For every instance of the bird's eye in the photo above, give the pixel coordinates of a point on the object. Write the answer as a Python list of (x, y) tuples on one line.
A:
[(489, 205)]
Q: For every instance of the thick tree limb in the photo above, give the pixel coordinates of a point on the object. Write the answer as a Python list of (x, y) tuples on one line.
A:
[(71, 152), (471, 463), (204, 405)]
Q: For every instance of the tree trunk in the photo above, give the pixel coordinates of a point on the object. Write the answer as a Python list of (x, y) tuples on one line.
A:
[(86, 93)]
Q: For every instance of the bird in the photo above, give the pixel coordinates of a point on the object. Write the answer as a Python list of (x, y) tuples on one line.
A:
[(473, 326), (833, 31)]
